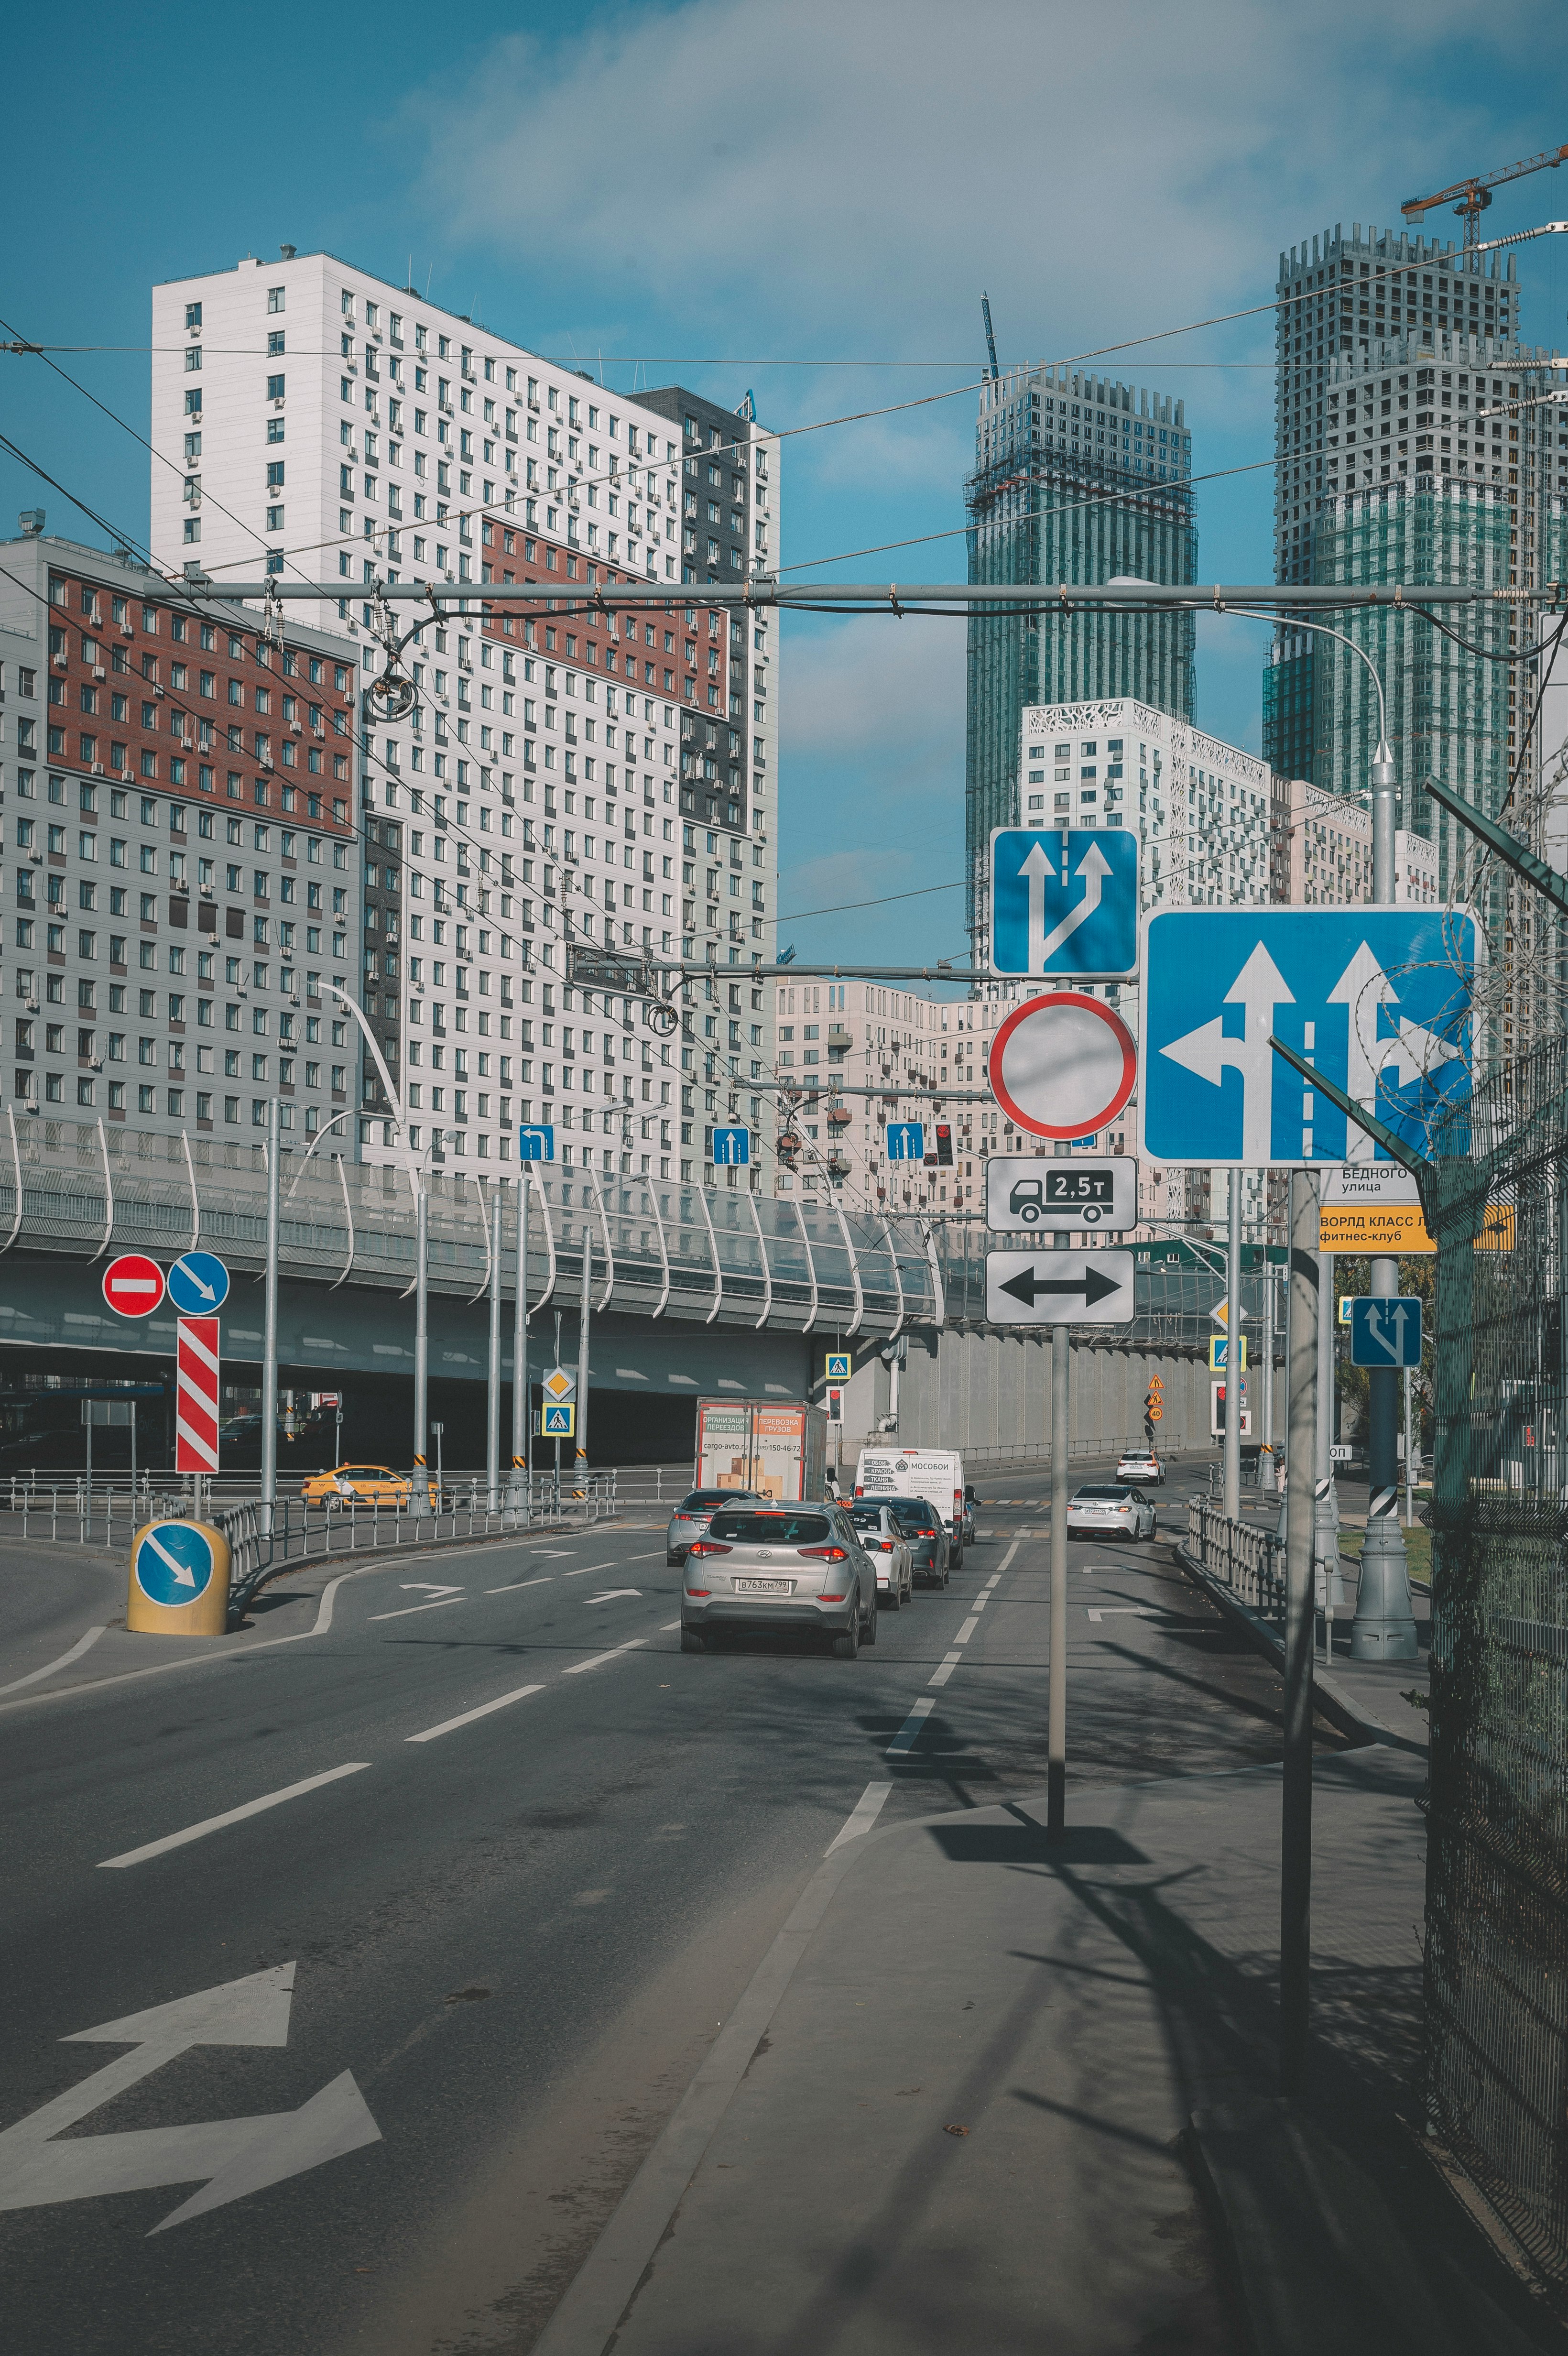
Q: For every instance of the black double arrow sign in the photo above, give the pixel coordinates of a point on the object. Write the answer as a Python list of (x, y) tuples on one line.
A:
[(1090, 1287)]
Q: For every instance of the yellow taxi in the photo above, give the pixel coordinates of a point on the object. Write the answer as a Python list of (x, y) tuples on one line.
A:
[(369, 1484)]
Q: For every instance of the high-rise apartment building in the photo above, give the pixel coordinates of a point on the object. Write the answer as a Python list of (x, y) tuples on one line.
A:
[(1325, 851), (182, 886), (1075, 479), (1360, 315), (311, 420)]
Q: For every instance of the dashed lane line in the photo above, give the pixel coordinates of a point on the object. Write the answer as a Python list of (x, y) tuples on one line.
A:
[(940, 1676), (578, 1667), (543, 1580), (468, 1716), (402, 1612), (861, 1816), (909, 1732), (234, 1816)]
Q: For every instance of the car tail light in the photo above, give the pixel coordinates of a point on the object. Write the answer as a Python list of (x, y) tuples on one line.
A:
[(707, 1546), (820, 1554), (825, 1598), (925, 1534), (699, 1592)]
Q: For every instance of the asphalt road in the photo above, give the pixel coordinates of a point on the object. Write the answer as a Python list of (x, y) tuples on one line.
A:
[(518, 1927)]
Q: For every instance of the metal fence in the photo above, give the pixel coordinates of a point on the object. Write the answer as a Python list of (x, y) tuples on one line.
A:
[(1496, 1895), (1250, 1563)]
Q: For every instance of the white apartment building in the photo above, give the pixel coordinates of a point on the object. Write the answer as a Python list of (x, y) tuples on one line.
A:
[(567, 771), (1326, 846)]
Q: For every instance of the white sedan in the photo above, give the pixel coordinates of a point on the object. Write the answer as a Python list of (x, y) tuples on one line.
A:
[(880, 1537), (1111, 1510)]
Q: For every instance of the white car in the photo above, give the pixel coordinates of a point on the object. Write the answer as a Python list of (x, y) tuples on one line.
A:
[(1109, 1509), (877, 1529), (1140, 1464)]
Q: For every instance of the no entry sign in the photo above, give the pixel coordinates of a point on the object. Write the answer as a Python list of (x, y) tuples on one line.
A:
[(133, 1285)]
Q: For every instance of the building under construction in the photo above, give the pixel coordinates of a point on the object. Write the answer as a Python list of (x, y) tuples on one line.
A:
[(1075, 479)]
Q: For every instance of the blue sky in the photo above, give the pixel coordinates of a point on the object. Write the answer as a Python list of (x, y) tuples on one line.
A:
[(806, 201)]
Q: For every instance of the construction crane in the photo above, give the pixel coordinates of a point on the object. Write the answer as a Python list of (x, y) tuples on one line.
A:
[(1474, 195), (991, 341)]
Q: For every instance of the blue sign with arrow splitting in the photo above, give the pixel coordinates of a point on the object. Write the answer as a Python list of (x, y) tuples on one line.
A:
[(1386, 1333), (1066, 902)]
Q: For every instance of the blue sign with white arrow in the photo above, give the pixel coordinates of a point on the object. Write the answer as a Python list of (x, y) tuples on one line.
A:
[(1066, 902), (199, 1283), (906, 1140), (731, 1148), (173, 1562), (536, 1142), (1378, 998), (1386, 1332)]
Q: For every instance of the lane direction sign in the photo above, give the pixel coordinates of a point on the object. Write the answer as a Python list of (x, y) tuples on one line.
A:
[(173, 1562), (199, 1283), (1380, 999), (133, 1285), (226, 2159), (1063, 1064), (731, 1148), (1025, 1195), (1058, 1287), (906, 1140), (1386, 1333), (536, 1142), (1064, 902)]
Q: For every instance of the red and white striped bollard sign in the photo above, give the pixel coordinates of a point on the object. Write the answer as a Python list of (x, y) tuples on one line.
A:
[(195, 1412)]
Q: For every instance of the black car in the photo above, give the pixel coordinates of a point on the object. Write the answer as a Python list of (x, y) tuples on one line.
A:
[(923, 1527)]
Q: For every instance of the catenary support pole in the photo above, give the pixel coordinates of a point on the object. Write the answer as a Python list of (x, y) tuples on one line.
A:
[(419, 1488), (520, 1346), (492, 1397), (1295, 1821), (1060, 1442), (1234, 1382), (1384, 1625), (1267, 1461), (270, 1330), (582, 1319), (1326, 1505)]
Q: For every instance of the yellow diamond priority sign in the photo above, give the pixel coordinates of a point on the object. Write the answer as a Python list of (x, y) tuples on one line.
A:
[(559, 1385)]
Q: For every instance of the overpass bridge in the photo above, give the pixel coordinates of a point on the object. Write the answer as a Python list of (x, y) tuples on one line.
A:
[(693, 1289)]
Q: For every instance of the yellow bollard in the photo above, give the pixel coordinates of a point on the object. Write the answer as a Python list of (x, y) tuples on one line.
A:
[(179, 1581)]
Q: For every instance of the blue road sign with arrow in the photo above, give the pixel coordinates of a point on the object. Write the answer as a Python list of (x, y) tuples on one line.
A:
[(1378, 998), (1066, 902), (173, 1562), (199, 1283), (731, 1148), (536, 1142), (906, 1140), (1386, 1332)]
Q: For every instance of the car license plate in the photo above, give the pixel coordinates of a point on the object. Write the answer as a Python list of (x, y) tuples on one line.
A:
[(764, 1586)]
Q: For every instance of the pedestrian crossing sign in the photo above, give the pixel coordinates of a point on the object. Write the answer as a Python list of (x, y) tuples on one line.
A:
[(838, 1365), (558, 1422)]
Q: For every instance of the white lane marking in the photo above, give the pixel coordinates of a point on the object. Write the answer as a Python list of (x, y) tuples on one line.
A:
[(562, 1551), (234, 1816), (909, 1732), (612, 1592), (646, 1557), (941, 1676), (543, 1580), (668, 1625), (429, 1586), (439, 1604), (82, 1645), (450, 1725), (587, 1567), (629, 1646), (1123, 1611), (967, 1630), (861, 1816)]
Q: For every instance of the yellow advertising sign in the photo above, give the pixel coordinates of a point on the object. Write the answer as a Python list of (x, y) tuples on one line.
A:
[(1389, 1229)]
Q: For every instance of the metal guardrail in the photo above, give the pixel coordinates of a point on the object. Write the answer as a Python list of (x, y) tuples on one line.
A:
[(1250, 1563)]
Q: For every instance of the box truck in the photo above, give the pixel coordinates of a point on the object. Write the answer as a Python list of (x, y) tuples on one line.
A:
[(934, 1474), (776, 1447)]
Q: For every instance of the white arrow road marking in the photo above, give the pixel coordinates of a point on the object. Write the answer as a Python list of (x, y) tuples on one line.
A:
[(861, 1816), (1121, 1612), (1259, 987), (184, 1577), (443, 1595), (233, 1815), (612, 1592), (234, 2157), (1095, 866), (450, 1725)]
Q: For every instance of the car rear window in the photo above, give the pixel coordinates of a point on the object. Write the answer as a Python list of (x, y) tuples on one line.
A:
[(866, 1517), (770, 1529), (1103, 1489), (705, 1499)]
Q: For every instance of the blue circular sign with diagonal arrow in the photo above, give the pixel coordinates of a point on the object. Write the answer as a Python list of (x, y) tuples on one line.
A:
[(173, 1562), (199, 1283)]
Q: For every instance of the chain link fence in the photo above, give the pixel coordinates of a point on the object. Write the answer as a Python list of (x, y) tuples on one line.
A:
[(1496, 1898)]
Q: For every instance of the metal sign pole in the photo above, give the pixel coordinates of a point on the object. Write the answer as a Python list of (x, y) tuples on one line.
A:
[(1295, 1818), (493, 1400), (270, 1332), (520, 1342), (1061, 1441), (419, 1488), (1232, 1449), (583, 1321)]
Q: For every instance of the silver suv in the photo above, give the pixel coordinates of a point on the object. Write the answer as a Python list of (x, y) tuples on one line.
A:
[(691, 1518), (770, 1566)]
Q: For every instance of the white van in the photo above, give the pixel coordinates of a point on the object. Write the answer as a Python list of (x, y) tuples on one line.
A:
[(934, 1474)]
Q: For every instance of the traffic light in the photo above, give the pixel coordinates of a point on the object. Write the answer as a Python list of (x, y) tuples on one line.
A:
[(945, 1145)]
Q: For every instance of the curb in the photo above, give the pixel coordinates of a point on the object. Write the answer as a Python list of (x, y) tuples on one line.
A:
[(1329, 1696)]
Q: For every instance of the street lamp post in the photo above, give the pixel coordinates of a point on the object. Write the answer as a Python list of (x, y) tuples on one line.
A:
[(520, 1451), (270, 1332), (493, 1400)]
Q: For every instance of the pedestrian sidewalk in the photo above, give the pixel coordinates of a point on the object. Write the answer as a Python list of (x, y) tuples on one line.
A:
[(966, 2121)]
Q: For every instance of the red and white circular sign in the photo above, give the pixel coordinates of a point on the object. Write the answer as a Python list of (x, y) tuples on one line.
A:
[(134, 1284), (1062, 1066)]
